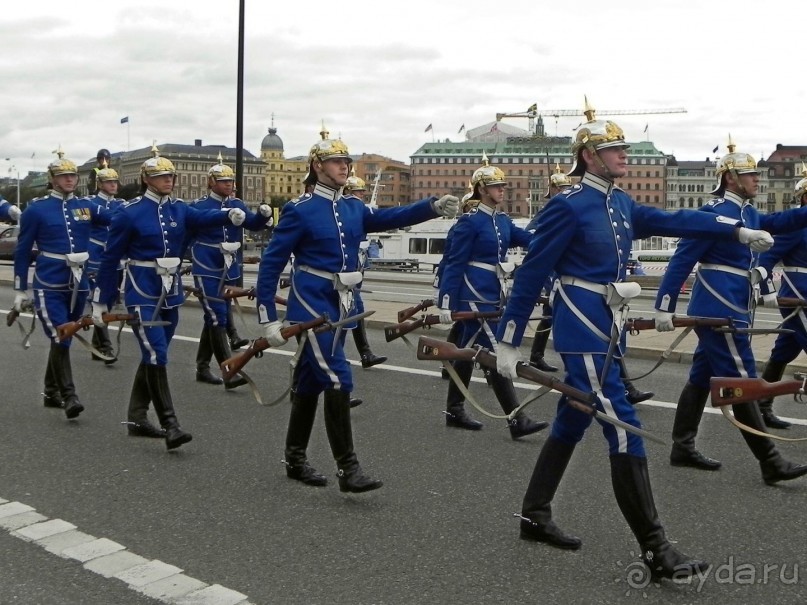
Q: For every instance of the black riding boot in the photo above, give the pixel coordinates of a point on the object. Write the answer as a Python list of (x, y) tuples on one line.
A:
[(137, 415), (521, 425), (221, 351), (685, 428), (773, 373), (539, 347), (632, 394), (774, 467), (51, 397), (368, 358), (63, 373), (634, 496), (203, 354), (536, 510), (236, 342), (453, 337), (456, 415), (102, 343), (301, 421), (340, 436), (160, 393)]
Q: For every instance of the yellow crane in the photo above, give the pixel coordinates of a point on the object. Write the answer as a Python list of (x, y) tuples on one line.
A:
[(533, 112)]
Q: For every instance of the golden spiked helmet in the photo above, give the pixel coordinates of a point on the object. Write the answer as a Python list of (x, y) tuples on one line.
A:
[(355, 183), (157, 165), (594, 134), (61, 165), (328, 149), (220, 171), (558, 179), (733, 162), (106, 174), (487, 174)]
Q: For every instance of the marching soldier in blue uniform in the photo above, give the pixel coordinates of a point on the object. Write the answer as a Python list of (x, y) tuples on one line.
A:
[(107, 182), (584, 234), (724, 287), (558, 181), (216, 264), (150, 232), (323, 230), (59, 225), (356, 188), (9, 211), (474, 278), (791, 250), (467, 204)]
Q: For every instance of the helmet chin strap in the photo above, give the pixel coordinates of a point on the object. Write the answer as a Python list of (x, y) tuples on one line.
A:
[(598, 159)]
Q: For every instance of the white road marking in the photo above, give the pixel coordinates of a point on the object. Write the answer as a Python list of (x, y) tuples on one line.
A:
[(154, 578)]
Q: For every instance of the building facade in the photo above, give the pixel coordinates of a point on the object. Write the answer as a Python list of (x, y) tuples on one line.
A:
[(689, 184), (284, 177), (785, 167), (446, 167), (192, 163)]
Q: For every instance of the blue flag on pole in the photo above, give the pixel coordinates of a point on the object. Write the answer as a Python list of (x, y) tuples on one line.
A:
[(124, 120)]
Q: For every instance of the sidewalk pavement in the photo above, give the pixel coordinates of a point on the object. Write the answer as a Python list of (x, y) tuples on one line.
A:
[(648, 344)]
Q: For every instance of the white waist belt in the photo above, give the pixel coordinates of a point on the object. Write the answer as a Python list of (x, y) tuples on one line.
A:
[(485, 266), (794, 269), (318, 272), (725, 269), (97, 242), (567, 280), (54, 255), (142, 263)]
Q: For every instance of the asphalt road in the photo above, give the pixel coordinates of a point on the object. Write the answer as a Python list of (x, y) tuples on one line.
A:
[(441, 529)]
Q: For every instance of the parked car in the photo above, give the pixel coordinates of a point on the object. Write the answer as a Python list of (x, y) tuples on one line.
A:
[(8, 242)]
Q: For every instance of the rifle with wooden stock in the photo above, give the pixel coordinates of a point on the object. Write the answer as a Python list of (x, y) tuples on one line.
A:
[(439, 350), (230, 367), (728, 391), (251, 260), (69, 329), (405, 314), (638, 324), (231, 292), (193, 290), (401, 329), (788, 302)]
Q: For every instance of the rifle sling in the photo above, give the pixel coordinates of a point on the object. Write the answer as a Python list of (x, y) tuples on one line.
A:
[(91, 348), (744, 427), (666, 354)]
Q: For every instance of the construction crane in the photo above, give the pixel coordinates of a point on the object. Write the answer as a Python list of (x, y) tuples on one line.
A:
[(533, 112)]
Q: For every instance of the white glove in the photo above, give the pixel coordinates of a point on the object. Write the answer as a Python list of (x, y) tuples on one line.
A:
[(769, 300), (272, 333), (237, 216), (270, 222), (664, 321), (98, 310), (445, 316), (265, 210), (14, 213), (758, 241), (448, 205), (507, 358), (20, 298)]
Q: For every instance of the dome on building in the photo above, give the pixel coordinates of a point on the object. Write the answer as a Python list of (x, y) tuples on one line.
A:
[(272, 142)]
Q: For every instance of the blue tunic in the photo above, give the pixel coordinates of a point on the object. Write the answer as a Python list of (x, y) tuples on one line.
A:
[(323, 231), (59, 225), (584, 234)]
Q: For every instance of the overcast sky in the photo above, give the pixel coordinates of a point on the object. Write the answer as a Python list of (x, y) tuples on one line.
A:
[(379, 73)]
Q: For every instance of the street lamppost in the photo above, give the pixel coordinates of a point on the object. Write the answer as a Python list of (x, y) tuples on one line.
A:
[(13, 169)]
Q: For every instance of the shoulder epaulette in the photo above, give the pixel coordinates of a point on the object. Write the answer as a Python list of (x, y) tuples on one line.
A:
[(303, 198), (570, 191), (132, 201)]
